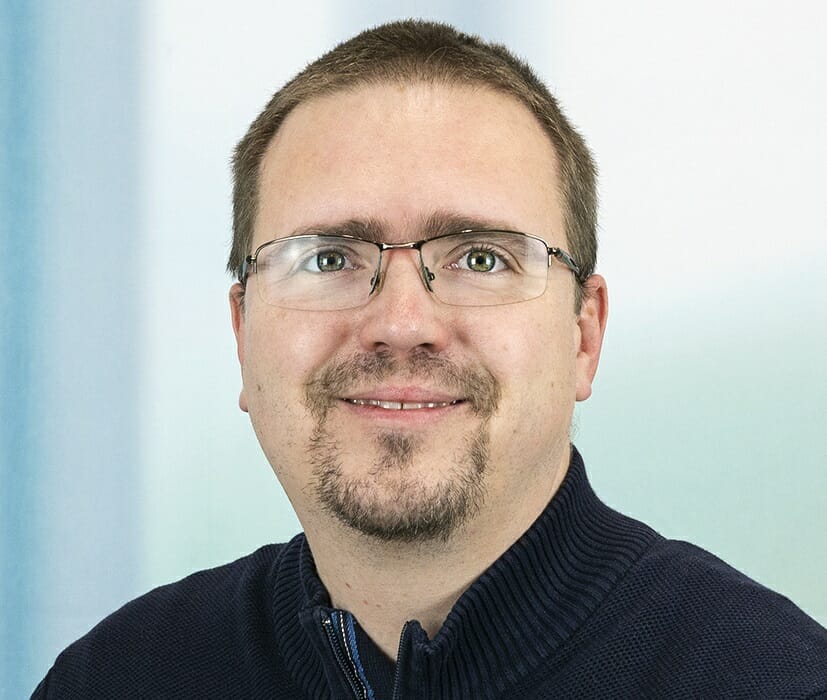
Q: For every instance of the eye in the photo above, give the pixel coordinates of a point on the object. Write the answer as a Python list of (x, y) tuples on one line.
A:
[(481, 258), (481, 261), (328, 260)]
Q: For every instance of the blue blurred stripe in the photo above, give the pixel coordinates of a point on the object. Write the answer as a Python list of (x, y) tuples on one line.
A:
[(69, 317), (19, 282)]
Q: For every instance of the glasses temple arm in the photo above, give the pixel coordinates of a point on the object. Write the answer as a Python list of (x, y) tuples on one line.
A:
[(566, 259)]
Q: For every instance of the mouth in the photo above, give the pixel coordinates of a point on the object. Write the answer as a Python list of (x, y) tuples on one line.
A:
[(402, 405)]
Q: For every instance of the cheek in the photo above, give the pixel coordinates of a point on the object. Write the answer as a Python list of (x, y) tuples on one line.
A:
[(283, 347), (533, 352), (535, 364)]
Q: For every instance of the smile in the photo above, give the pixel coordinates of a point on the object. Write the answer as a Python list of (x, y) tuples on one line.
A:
[(402, 405)]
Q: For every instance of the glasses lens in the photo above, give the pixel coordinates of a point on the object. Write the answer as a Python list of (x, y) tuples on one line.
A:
[(316, 273), (486, 268)]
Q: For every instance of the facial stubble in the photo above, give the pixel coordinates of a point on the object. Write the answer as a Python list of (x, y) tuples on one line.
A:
[(392, 500)]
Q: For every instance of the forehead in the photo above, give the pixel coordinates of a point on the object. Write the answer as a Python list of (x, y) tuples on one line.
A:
[(397, 154)]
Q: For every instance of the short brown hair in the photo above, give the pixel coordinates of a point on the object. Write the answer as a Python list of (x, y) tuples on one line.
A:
[(418, 51)]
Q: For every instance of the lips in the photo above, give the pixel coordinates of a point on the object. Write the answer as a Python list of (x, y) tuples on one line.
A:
[(402, 405)]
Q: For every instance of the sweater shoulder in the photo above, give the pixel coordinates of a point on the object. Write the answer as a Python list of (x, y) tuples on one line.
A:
[(688, 579), (200, 598), (712, 622), (175, 635)]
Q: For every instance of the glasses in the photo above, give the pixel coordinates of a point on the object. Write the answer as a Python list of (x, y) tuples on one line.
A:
[(469, 268)]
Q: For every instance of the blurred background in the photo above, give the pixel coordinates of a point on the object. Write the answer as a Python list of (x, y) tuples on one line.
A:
[(124, 460)]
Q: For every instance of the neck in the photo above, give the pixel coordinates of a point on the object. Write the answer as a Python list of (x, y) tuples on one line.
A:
[(385, 584)]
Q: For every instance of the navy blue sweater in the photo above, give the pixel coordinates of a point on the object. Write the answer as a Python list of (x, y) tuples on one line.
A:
[(587, 604)]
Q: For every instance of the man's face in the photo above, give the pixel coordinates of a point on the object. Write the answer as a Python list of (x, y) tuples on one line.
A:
[(503, 379)]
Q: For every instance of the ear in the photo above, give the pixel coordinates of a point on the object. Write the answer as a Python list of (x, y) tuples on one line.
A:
[(592, 324), (237, 314)]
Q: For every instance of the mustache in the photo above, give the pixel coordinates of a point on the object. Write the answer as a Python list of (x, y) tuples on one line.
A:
[(474, 383)]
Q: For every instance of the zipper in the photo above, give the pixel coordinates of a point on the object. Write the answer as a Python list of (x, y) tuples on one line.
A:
[(341, 651), (397, 689)]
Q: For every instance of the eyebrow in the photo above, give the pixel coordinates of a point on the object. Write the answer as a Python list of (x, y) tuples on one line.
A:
[(436, 224), (366, 229), (442, 222)]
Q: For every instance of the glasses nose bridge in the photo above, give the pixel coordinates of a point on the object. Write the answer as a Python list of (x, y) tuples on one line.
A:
[(425, 275)]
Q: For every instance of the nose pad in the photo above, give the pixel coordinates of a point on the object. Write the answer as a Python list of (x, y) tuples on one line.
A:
[(428, 277), (375, 283), (378, 279)]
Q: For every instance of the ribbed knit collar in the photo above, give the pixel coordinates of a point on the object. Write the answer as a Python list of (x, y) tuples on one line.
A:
[(518, 613)]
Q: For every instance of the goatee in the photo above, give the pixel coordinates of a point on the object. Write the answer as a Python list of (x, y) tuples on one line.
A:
[(391, 501)]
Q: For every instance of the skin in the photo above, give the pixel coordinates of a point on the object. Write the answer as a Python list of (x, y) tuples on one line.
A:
[(397, 155)]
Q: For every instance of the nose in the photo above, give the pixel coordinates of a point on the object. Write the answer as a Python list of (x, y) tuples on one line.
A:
[(402, 315)]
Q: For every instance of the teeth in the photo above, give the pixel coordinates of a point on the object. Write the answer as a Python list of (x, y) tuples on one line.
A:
[(400, 405)]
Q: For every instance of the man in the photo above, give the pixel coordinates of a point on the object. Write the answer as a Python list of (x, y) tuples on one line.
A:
[(416, 315)]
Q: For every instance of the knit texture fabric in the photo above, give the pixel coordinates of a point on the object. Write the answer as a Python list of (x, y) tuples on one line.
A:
[(586, 604)]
